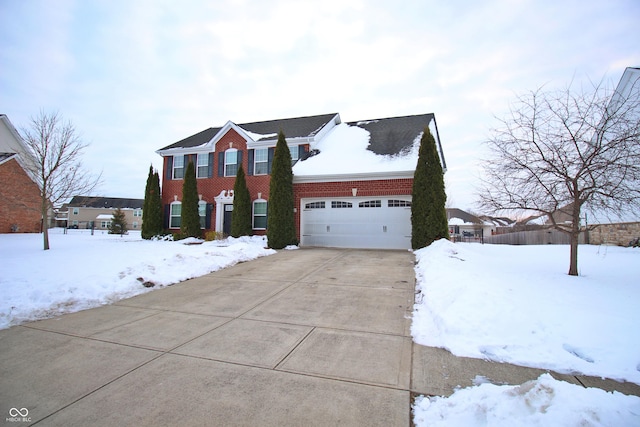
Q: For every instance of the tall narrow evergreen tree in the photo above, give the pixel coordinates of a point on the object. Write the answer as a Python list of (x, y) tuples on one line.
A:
[(281, 228), (241, 217), (428, 213), (152, 208), (190, 216)]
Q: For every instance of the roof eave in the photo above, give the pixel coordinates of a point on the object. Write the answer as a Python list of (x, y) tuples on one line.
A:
[(364, 176)]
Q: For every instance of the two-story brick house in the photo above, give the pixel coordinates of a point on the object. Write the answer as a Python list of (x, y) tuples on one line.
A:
[(352, 181)]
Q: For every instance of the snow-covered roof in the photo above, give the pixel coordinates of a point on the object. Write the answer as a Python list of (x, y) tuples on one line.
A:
[(104, 216), (345, 151)]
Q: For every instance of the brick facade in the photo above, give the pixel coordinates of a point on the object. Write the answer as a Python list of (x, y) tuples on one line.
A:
[(19, 200), (210, 188)]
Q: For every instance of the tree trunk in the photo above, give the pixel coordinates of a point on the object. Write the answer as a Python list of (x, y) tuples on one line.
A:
[(575, 237), (45, 225), (573, 263)]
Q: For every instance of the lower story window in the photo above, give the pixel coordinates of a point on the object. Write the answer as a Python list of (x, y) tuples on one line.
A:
[(260, 215), (134, 224), (105, 224), (202, 211), (176, 211)]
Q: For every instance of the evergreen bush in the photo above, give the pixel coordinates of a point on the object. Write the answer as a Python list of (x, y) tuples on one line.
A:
[(428, 212), (190, 215), (281, 229)]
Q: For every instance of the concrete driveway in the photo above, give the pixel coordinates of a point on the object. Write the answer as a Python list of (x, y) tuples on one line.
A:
[(306, 337)]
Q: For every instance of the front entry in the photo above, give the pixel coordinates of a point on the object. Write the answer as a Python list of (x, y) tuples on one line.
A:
[(226, 222)]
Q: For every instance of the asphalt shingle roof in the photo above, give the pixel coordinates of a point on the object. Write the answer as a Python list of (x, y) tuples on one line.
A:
[(297, 127), (106, 202), (394, 135)]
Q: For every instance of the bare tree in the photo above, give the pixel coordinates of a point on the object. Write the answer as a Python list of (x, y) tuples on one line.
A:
[(566, 151), (57, 169)]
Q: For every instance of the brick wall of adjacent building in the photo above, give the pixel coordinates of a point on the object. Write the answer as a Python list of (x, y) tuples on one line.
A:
[(19, 200), (614, 234)]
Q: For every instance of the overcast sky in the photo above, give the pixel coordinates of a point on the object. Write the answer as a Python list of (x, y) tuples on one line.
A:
[(134, 76)]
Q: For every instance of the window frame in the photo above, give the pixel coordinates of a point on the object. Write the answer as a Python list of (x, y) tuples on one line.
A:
[(295, 153), (398, 203), (315, 205), (172, 215), (264, 163), (228, 165), (341, 204), (373, 203), (200, 165), (202, 212), (254, 215), (175, 167)]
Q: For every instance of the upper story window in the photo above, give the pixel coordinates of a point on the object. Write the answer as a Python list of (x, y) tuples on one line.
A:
[(203, 166), (231, 162), (293, 149), (178, 167), (137, 212), (76, 211), (261, 161)]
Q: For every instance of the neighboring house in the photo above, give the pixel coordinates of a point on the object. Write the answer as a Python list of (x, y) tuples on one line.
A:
[(352, 181), (464, 226), (20, 209), (97, 212)]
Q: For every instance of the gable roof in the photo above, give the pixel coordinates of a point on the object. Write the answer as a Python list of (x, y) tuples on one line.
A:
[(463, 215), (105, 202), (297, 127), (6, 156)]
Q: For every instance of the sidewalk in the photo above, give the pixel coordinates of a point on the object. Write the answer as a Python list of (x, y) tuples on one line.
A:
[(307, 337)]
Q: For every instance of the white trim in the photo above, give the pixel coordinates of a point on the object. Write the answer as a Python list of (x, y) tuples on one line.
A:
[(224, 198), (370, 176), (175, 202)]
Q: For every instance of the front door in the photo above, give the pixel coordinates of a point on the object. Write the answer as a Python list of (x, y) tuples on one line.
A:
[(226, 222)]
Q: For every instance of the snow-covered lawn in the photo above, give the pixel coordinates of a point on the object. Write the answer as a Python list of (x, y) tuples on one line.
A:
[(83, 270), (516, 304)]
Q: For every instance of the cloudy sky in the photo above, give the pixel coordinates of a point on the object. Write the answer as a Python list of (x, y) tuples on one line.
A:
[(135, 76)]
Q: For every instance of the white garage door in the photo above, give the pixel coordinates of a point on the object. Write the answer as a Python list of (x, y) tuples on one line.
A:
[(357, 222)]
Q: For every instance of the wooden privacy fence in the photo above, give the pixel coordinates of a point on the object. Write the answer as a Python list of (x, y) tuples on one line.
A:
[(533, 237)]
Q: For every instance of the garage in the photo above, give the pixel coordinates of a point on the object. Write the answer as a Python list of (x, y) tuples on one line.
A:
[(356, 222)]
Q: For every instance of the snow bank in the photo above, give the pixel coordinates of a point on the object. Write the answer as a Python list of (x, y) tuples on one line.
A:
[(516, 304), (543, 402), (81, 271), (344, 144)]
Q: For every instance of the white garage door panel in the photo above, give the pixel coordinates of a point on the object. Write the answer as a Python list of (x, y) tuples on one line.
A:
[(383, 227)]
